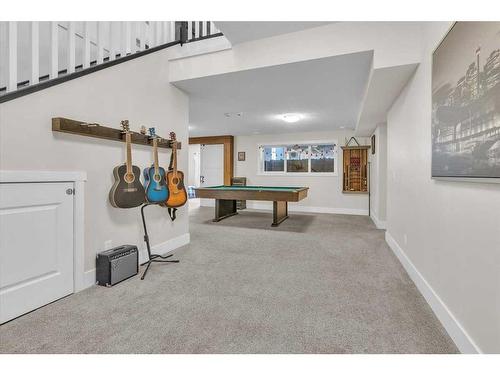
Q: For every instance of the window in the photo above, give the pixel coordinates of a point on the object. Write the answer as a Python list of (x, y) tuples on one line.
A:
[(322, 158), (274, 159), (297, 158), (304, 158)]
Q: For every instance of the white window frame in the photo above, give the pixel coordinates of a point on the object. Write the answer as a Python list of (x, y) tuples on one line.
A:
[(260, 159)]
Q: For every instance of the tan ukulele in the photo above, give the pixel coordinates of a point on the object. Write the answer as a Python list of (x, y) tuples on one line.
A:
[(177, 195)]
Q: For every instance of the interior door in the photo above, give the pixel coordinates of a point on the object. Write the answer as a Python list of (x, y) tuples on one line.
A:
[(36, 245), (211, 168)]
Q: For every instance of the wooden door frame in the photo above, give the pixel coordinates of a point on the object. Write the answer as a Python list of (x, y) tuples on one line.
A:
[(228, 142)]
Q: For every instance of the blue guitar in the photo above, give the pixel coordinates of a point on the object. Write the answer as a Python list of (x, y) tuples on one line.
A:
[(154, 176)]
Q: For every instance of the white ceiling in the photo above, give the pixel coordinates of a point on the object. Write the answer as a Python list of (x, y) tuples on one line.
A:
[(239, 32), (329, 92)]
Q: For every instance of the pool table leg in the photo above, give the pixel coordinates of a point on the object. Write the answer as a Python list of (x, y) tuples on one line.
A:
[(224, 208), (280, 212)]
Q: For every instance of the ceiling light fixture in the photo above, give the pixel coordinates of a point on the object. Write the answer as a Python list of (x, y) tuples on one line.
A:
[(291, 117)]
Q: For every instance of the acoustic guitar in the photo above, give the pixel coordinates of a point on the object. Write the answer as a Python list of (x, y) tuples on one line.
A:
[(175, 180), (127, 190), (154, 176)]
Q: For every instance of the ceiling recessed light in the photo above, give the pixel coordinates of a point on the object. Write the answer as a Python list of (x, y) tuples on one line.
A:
[(342, 127), (233, 114), (291, 117)]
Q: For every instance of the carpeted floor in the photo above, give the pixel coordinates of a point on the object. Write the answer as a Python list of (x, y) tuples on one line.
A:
[(315, 284)]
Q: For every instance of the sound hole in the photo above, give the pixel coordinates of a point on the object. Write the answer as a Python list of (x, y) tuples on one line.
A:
[(129, 178), (157, 178), (175, 180)]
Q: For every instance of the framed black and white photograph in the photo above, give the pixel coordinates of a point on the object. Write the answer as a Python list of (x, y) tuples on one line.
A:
[(241, 156), (466, 102)]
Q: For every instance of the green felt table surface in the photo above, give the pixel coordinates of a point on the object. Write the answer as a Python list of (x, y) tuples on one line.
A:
[(276, 188)]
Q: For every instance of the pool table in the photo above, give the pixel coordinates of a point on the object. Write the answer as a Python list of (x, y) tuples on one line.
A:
[(226, 197)]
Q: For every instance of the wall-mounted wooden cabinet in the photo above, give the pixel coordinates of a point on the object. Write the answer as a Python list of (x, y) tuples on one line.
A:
[(355, 176)]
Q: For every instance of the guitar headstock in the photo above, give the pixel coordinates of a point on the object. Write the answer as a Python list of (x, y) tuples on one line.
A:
[(125, 126), (172, 136), (142, 130), (152, 133)]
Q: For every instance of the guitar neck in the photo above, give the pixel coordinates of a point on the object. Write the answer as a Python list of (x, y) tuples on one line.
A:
[(128, 140), (155, 155), (174, 157)]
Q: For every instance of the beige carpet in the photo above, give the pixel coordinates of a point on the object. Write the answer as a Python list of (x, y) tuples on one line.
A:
[(316, 284)]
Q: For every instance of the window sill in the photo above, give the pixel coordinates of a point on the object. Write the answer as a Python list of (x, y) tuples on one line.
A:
[(298, 174)]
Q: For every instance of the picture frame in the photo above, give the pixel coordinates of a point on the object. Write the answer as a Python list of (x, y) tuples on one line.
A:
[(241, 156), (465, 122), (373, 144)]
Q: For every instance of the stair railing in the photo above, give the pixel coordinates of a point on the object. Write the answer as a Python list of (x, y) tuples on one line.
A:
[(39, 52)]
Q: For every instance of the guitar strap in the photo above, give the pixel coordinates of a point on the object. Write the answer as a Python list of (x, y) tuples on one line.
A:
[(171, 210)]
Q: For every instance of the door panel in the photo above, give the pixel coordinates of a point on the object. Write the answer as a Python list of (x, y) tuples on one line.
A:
[(36, 246), (212, 165), (211, 168)]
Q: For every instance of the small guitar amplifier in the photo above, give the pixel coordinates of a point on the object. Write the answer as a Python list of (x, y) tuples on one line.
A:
[(118, 264)]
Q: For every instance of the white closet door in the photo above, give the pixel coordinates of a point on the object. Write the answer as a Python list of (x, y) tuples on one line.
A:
[(36, 245), (211, 168)]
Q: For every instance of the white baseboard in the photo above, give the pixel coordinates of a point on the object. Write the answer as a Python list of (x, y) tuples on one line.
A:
[(457, 333), (318, 210), (378, 223), (165, 247), (89, 277)]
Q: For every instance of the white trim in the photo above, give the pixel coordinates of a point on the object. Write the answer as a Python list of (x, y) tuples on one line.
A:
[(79, 276), (200, 47), (468, 179), (89, 279), (310, 209), (378, 223), (165, 247), (456, 331), (7, 176)]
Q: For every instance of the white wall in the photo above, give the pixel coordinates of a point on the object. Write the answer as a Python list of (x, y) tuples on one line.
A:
[(448, 233), (137, 90), (394, 43), (325, 192), (378, 177)]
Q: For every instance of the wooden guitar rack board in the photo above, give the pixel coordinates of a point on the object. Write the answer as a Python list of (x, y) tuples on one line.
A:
[(64, 125)]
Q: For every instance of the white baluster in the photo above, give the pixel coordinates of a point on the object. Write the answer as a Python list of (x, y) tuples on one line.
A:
[(141, 26), (100, 42), (169, 35), (157, 33), (112, 47), (196, 29), (12, 85), (35, 53), (149, 33), (203, 31), (54, 50), (171, 26), (190, 30), (86, 45), (213, 29), (128, 37), (71, 48)]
